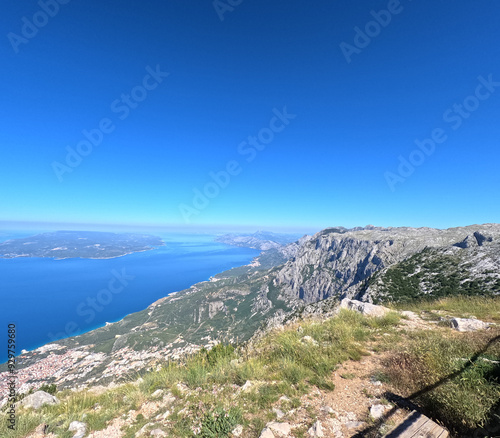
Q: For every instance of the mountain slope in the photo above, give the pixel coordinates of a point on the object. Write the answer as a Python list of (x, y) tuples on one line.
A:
[(373, 264), (335, 261)]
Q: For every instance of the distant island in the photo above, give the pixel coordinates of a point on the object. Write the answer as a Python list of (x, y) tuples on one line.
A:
[(263, 240), (82, 244)]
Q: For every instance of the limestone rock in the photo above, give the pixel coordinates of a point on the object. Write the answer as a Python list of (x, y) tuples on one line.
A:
[(279, 413), (38, 399), (468, 324), (336, 262), (335, 427), (237, 431), (247, 386), (143, 430), (377, 411), (309, 340), (279, 429), (364, 308), (316, 430), (412, 316), (266, 433), (215, 307), (354, 424), (79, 428)]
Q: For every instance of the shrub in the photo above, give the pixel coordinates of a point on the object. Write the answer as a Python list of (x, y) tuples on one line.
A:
[(50, 389), (219, 353), (219, 423)]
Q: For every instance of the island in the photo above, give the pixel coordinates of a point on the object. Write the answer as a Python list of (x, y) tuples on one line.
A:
[(82, 244), (263, 240)]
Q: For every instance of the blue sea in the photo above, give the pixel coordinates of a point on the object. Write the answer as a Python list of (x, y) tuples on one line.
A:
[(50, 299)]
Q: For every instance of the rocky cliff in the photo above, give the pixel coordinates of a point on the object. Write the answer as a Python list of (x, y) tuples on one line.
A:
[(336, 261)]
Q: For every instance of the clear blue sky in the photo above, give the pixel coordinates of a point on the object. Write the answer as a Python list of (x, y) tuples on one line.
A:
[(334, 163)]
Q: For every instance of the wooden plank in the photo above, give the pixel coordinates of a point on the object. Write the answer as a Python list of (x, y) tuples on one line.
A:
[(413, 424), (416, 425), (444, 434)]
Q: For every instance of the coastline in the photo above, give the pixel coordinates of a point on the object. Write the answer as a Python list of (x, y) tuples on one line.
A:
[(26, 256), (208, 278)]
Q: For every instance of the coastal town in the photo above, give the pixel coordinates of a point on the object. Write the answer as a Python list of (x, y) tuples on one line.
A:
[(80, 367)]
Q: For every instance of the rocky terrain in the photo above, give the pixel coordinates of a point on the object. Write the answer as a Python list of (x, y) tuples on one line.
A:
[(336, 375), (263, 240), (336, 261), (372, 264)]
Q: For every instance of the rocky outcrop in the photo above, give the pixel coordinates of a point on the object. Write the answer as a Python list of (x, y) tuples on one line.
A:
[(316, 430), (468, 324), (38, 399), (473, 240), (275, 429), (437, 272), (215, 307), (364, 308), (209, 310), (339, 261), (261, 302)]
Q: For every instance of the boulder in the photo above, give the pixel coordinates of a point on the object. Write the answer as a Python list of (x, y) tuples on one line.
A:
[(364, 308), (79, 428), (468, 324), (38, 399)]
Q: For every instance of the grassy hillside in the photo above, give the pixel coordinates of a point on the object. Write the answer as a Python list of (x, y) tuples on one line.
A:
[(454, 377)]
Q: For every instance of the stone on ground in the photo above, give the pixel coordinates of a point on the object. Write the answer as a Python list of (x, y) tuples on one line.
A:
[(79, 428), (468, 324), (38, 399), (364, 308)]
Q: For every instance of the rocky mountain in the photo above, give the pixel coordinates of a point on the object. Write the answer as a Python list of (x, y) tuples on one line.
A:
[(336, 261), (278, 248), (437, 272), (372, 264), (263, 240)]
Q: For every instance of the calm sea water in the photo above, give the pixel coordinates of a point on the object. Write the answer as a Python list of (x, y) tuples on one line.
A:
[(50, 299)]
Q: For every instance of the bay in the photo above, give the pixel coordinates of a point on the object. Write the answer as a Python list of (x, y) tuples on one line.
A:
[(50, 299)]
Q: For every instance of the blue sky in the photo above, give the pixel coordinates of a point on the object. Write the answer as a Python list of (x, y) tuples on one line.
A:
[(359, 87)]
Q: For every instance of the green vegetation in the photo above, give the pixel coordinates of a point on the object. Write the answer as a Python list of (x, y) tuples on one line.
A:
[(456, 377), (284, 363), (484, 308), (432, 274), (219, 423), (49, 389)]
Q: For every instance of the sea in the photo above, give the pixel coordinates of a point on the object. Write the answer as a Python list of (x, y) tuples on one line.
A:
[(49, 299)]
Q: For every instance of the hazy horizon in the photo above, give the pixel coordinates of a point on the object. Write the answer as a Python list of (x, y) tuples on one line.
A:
[(279, 116)]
